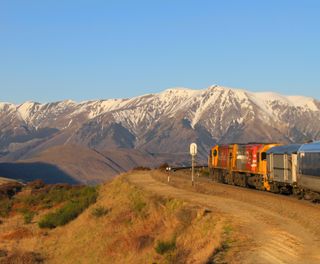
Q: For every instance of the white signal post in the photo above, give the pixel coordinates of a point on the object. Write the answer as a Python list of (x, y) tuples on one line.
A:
[(193, 153)]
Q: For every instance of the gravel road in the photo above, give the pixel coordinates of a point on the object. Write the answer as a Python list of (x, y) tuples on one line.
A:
[(271, 228)]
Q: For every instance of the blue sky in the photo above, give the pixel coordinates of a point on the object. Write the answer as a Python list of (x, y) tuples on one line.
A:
[(54, 50)]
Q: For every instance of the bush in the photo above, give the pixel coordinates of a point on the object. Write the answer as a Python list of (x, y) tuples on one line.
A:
[(51, 195), (28, 216), (8, 190), (36, 184), (164, 166), (163, 247), (99, 211), (5, 207), (61, 217), (71, 209), (23, 257), (185, 217), (138, 205)]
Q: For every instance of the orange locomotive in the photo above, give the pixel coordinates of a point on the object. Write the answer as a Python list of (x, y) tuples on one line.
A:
[(240, 164)]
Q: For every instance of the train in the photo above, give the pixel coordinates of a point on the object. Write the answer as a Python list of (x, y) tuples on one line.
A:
[(287, 169)]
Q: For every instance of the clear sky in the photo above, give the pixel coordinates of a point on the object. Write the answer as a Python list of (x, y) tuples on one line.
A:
[(53, 50)]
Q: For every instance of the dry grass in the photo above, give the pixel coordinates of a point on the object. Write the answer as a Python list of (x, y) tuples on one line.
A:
[(19, 233), (22, 257), (136, 221)]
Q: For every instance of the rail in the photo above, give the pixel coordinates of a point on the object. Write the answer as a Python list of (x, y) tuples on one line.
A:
[(185, 167)]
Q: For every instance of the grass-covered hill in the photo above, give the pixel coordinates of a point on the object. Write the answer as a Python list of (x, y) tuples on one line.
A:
[(112, 223)]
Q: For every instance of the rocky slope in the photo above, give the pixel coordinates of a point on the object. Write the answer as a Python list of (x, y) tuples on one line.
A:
[(158, 123)]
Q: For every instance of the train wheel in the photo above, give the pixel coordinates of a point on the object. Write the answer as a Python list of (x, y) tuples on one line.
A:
[(287, 190), (211, 174), (217, 177), (312, 196), (229, 178), (274, 187)]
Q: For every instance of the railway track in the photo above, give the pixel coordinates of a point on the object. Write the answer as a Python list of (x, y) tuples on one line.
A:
[(185, 173), (268, 228), (185, 168)]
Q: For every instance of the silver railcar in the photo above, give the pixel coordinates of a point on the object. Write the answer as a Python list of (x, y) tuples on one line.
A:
[(309, 166), (282, 167)]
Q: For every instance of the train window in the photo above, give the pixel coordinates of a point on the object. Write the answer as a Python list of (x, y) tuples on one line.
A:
[(310, 164), (215, 152), (263, 156)]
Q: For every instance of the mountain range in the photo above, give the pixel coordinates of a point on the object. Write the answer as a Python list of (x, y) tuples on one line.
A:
[(156, 127)]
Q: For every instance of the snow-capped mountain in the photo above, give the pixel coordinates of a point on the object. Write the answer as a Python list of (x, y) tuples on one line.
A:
[(159, 123)]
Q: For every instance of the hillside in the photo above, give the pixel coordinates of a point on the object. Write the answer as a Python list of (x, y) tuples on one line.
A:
[(161, 124), (126, 225), (76, 164), (5, 180), (139, 218)]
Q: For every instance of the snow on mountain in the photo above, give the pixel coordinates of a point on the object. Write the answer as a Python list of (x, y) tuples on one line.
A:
[(27, 110), (149, 121), (168, 102), (6, 107)]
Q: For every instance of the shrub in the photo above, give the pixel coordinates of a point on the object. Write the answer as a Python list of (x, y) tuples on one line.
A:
[(61, 217), (164, 166), (185, 217), (99, 211), (51, 195), (28, 216), (71, 209), (23, 257), (3, 253), (36, 184), (163, 247), (8, 190), (138, 204), (5, 207)]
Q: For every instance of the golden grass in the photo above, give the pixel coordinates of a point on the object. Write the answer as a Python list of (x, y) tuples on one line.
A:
[(129, 232)]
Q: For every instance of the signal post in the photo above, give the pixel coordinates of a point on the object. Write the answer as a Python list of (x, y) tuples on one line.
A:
[(193, 153)]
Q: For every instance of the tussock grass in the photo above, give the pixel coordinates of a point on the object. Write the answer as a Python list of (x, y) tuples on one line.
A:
[(84, 198), (163, 247), (141, 227), (72, 200), (138, 203), (100, 211), (22, 257), (49, 196), (28, 216), (5, 206)]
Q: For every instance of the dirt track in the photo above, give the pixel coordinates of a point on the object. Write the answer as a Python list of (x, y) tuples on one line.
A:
[(273, 228)]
